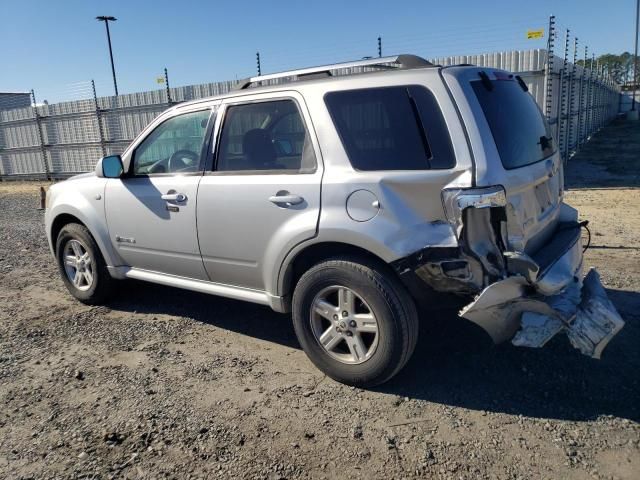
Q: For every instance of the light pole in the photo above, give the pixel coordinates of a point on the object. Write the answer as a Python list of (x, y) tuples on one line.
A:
[(635, 59), (106, 21)]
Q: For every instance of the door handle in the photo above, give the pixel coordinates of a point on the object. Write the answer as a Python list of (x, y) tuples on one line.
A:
[(286, 200), (174, 197)]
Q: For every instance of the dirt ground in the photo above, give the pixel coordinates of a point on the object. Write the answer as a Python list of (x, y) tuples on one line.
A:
[(163, 383)]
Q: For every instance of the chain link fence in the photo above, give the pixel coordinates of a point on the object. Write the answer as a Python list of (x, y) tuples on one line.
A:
[(63, 139)]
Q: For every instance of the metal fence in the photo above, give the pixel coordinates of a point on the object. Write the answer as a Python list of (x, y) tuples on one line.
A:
[(62, 139), (58, 140)]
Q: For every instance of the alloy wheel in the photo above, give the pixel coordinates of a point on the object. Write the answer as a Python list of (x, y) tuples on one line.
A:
[(344, 325), (78, 265)]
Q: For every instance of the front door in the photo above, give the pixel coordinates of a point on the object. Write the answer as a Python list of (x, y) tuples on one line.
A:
[(151, 211), (263, 196)]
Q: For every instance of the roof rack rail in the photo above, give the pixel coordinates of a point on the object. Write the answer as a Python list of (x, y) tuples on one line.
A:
[(400, 61)]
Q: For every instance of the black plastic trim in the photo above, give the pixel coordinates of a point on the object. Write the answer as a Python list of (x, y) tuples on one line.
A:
[(564, 238)]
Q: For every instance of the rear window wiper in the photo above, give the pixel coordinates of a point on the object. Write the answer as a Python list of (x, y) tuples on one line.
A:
[(485, 81), (521, 83), (545, 142)]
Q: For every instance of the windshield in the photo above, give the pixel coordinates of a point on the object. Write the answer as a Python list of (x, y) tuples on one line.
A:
[(519, 129)]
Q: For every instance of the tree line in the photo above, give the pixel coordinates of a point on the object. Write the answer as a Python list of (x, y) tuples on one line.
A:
[(618, 67)]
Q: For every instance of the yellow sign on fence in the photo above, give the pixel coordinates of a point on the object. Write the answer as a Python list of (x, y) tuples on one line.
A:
[(533, 34), (160, 80)]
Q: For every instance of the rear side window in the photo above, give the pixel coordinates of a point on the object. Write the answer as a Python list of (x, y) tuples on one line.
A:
[(265, 136), (391, 128), (519, 129)]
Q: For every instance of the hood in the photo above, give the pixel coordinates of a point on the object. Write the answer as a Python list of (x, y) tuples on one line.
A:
[(82, 175)]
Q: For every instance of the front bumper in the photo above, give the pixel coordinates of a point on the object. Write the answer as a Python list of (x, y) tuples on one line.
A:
[(548, 297)]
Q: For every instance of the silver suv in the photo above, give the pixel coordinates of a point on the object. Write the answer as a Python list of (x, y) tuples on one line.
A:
[(353, 201)]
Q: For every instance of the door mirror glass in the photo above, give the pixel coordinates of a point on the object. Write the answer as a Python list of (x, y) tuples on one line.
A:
[(112, 166)]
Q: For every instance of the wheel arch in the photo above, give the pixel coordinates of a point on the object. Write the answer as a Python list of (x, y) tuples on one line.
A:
[(314, 253), (98, 232), (59, 222)]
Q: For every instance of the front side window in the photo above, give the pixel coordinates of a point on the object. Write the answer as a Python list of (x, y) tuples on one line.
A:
[(265, 136), (391, 128), (174, 146), (520, 131)]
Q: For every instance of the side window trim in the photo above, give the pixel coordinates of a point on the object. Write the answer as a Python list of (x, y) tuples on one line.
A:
[(216, 138), (428, 153), (205, 142), (435, 128), (208, 145)]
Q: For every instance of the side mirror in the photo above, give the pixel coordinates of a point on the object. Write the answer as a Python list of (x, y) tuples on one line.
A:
[(110, 167)]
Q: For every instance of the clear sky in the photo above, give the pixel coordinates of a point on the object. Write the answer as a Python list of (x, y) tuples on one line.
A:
[(56, 47)]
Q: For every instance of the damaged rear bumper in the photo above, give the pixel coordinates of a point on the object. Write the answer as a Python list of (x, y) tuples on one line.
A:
[(522, 298), (549, 296)]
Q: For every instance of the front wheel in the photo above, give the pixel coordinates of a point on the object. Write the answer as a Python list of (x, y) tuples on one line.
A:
[(355, 321), (81, 265)]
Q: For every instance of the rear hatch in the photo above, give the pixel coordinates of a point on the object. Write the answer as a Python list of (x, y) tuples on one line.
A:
[(513, 147)]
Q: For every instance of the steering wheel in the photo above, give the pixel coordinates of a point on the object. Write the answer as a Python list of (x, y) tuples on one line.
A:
[(178, 161)]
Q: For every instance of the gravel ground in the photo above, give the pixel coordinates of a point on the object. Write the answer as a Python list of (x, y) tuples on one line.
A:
[(163, 383)]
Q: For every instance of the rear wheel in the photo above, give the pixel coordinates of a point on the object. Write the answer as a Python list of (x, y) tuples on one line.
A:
[(82, 266), (355, 321)]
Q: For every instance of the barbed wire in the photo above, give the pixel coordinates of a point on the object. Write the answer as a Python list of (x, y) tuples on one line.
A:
[(432, 42)]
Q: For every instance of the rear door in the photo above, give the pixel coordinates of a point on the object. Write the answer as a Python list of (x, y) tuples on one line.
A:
[(513, 147), (262, 195)]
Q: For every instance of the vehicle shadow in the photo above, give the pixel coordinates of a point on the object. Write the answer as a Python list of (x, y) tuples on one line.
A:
[(455, 362), (237, 316)]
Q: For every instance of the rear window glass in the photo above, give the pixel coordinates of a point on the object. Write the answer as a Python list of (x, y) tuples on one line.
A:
[(519, 129), (391, 128)]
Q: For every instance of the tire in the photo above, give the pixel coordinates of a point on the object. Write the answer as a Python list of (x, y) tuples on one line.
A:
[(98, 290), (376, 290)]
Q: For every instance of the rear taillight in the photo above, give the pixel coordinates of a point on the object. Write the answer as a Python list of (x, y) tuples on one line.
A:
[(456, 200)]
